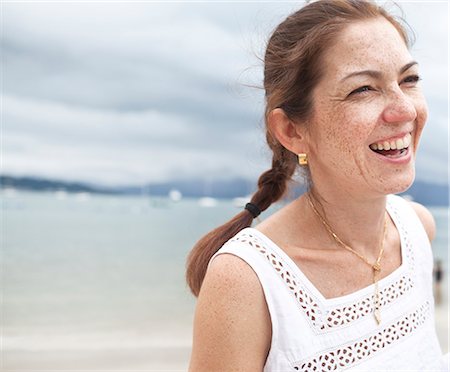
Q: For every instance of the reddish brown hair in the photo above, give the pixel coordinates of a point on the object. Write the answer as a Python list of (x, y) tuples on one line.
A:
[(292, 69)]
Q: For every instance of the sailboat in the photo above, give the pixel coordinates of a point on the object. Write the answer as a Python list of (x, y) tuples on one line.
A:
[(175, 195)]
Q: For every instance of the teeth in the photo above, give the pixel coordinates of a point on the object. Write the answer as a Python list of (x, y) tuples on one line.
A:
[(398, 144), (407, 140)]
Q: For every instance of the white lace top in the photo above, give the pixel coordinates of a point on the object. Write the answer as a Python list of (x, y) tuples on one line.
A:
[(312, 333)]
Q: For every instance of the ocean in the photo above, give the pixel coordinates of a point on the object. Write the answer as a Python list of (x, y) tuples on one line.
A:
[(97, 281)]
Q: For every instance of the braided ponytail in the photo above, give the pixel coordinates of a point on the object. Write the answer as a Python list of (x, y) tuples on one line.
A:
[(271, 187), (292, 68)]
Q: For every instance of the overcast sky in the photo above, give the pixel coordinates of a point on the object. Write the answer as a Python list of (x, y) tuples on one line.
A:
[(121, 93)]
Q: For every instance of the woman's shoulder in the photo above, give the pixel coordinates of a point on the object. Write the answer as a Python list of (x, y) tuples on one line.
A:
[(426, 218), (231, 305), (424, 215), (227, 270)]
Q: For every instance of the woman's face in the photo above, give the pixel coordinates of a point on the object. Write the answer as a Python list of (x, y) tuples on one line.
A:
[(368, 114)]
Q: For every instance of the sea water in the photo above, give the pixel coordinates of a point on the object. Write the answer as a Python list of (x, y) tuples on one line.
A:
[(93, 276)]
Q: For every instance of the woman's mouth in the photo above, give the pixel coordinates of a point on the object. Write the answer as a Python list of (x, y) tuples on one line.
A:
[(394, 148)]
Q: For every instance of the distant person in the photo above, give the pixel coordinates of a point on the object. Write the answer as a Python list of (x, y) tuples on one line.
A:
[(438, 274), (338, 278)]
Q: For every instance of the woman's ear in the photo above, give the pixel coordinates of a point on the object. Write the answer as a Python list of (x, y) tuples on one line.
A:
[(290, 134)]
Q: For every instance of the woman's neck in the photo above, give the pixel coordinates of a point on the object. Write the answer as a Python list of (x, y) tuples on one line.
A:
[(358, 222)]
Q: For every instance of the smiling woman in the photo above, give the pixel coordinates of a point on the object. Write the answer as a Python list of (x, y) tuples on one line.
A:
[(340, 278), (363, 99)]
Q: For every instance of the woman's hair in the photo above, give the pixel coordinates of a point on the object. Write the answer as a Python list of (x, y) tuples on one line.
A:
[(292, 69)]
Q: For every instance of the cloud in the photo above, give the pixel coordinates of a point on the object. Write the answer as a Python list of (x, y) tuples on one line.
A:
[(107, 146), (124, 93)]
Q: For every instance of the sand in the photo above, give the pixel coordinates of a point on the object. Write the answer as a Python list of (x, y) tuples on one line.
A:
[(157, 359), (150, 359), (135, 359), (442, 322)]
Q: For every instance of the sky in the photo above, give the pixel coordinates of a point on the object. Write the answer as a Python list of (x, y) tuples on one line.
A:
[(128, 93)]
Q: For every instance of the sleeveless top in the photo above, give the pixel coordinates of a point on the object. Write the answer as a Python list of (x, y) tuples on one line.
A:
[(312, 333)]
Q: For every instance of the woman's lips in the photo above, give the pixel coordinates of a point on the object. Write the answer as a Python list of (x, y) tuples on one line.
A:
[(394, 156)]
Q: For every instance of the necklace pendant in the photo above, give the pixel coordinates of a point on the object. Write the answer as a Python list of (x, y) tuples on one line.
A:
[(376, 266), (377, 314)]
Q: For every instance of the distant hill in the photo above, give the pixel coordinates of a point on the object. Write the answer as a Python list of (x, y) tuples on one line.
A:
[(422, 192), (39, 184), (198, 188)]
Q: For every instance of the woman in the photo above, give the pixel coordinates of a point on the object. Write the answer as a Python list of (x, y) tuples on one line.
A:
[(341, 278)]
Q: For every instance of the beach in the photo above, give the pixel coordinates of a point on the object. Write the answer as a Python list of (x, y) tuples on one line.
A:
[(96, 282), (442, 322)]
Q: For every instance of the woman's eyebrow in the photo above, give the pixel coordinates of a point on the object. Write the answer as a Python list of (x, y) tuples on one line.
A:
[(408, 66), (378, 74)]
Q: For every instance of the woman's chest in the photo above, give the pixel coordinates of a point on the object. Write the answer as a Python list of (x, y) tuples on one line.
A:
[(336, 273)]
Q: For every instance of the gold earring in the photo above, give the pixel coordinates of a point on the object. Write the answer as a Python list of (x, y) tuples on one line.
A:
[(303, 159)]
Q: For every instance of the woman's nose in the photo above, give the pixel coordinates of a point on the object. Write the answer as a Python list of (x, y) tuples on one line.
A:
[(399, 108)]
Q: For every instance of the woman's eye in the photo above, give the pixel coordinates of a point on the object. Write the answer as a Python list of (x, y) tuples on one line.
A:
[(412, 79), (362, 89)]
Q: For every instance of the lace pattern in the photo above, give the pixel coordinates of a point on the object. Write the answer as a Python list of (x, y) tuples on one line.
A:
[(304, 299), (353, 353), (342, 315), (322, 319)]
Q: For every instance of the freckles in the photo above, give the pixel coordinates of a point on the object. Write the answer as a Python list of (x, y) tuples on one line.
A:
[(349, 133)]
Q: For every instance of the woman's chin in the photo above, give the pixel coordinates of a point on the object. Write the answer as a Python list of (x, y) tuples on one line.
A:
[(399, 183)]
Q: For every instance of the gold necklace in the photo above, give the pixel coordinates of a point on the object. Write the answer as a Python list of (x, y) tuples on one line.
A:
[(376, 267)]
